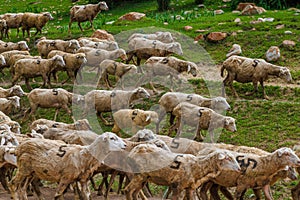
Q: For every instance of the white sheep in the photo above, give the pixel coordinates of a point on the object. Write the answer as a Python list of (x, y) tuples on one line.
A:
[(9, 104), (107, 101), (13, 20), (44, 46), (143, 49), (74, 62), (134, 119), (34, 20), (235, 50), (14, 58), (165, 37), (30, 68), (244, 70), (9, 46), (85, 13), (16, 90), (96, 56), (100, 44), (117, 69), (5, 120), (183, 172), (82, 124), (8, 54), (201, 118), (173, 62), (67, 163), (52, 98), (143, 135)]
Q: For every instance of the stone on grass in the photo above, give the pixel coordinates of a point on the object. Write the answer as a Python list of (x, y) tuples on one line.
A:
[(216, 36), (273, 54), (132, 16), (288, 44)]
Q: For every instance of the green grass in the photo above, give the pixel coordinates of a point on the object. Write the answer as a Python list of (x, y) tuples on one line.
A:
[(264, 124)]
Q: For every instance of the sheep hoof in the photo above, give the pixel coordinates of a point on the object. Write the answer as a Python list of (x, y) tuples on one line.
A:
[(266, 97)]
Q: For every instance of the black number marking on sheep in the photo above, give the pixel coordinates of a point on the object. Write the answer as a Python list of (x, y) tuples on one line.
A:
[(176, 144), (189, 97), (200, 112), (6, 45), (177, 163), (243, 163), (38, 62), (61, 152), (55, 92), (97, 53), (255, 63)]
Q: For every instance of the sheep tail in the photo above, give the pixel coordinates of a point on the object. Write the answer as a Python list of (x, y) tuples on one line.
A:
[(222, 70)]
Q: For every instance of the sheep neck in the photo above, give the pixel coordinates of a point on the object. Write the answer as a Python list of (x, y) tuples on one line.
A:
[(273, 69), (204, 166), (97, 149)]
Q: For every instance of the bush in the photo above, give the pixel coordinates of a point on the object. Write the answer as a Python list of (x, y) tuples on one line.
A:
[(268, 4)]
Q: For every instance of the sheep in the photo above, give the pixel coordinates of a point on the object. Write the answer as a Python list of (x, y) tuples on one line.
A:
[(144, 48), (100, 44), (45, 46), (142, 135), (73, 63), (165, 37), (244, 70), (67, 163), (8, 54), (180, 171), (96, 56), (170, 100), (14, 58), (80, 137), (178, 64), (118, 69), (9, 46), (33, 20), (30, 68), (7, 105), (133, 118), (2, 62), (13, 20), (202, 118), (235, 50), (51, 98), (106, 101), (258, 171), (3, 27), (16, 90), (85, 13), (5, 120), (82, 124)]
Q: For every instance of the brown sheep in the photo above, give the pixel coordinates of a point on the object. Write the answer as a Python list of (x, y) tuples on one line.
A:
[(44, 46), (33, 20), (8, 46), (117, 69), (13, 20), (85, 13), (245, 70), (16, 90), (8, 54), (3, 27), (14, 58), (30, 68), (73, 63), (9, 104)]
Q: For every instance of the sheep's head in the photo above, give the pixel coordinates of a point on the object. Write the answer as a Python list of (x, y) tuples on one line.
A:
[(22, 46), (219, 104), (285, 74), (16, 91), (2, 60), (141, 93), (81, 57), (15, 101), (225, 161), (192, 69), (102, 5), (155, 59), (121, 53), (83, 124), (229, 124), (175, 48), (3, 23), (114, 142), (48, 15), (59, 61), (287, 157), (145, 135), (74, 45)]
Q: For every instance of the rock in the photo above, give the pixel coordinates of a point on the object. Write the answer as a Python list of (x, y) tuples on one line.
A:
[(187, 12), (226, 1), (235, 50), (236, 12), (103, 35), (221, 23), (234, 34), (111, 22), (200, 31), (288, 43), (288, 32), (166, 23), (132, 16), (242, 6), (223, 6), (187, 28), (218, 12), (253, 29), (178, 17), (216, 36), (280, 26), (201, 6), (237, 20), (252, 10), (255, 22), (240, 31), (294, 10), (296, 14), (199, 37), (273, 54)]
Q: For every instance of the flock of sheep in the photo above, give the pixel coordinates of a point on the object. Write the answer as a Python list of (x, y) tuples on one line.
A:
[(71, 154)]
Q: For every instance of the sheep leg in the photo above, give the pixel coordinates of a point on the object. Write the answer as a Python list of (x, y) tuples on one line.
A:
[(175, 126), (199, 136), (92, 26), (85, 190), (263, 89), (228, 82), (257, 194), (296, 192), (121, 180), (104, 120), (62, 186), (70, 24), (226, 193), (255, 89), (15, 184), (111, 181), (27, 84), (80, 27), (35, 184), (203, 190), (3, 179), (56, 113), (239, 192), (267, 192)]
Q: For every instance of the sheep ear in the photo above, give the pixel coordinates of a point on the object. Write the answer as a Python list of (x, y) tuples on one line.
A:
[(221, 156), (189, 68), (148, 118), (141, 134), (165, 60), (283, 151), (77, 57)]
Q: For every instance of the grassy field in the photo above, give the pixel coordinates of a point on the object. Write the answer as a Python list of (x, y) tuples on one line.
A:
[(261, 123)]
